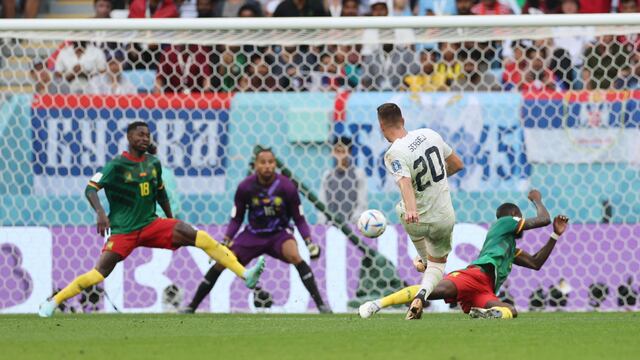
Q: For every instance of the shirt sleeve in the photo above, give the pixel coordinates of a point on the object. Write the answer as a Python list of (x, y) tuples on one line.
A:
[(518, 225), (295, 211), (103, 177), (396, 165), (446, 148), (237, 213)]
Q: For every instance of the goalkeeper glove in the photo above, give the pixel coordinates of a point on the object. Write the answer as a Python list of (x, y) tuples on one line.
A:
[(314, 250)]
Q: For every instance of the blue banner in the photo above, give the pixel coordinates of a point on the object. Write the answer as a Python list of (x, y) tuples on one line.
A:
[(483, 129), (72, 143)]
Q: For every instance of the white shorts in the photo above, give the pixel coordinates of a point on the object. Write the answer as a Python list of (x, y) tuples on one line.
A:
[(438, 235)]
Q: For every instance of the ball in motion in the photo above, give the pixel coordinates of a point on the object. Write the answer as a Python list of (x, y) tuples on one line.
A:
[(372, 223)]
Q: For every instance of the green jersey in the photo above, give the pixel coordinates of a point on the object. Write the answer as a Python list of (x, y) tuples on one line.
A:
[(131, 186), (499, 248)]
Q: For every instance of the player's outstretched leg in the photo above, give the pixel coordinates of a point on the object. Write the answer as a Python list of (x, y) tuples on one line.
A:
[(370, 308), (106, 263), (185, 235), (252, 275), (430, 279)]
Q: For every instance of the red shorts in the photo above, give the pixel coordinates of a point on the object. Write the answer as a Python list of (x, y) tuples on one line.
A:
[(475, 288), (158, 234)]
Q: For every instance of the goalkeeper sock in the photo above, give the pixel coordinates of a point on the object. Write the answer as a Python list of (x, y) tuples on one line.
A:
[(219, 253), (205, 287), (403, 296), (431, 277), (506, 312), (78, 284), (309, 282)]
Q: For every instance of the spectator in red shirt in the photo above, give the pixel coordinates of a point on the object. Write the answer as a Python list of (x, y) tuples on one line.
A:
[(491, 7), (595, 6), (514, 70), (157, 9)]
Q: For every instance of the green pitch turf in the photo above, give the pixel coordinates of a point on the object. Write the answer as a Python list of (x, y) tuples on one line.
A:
[(208, 336)]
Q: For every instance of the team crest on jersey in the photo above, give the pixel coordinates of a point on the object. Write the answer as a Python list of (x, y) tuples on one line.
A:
[(255, 201), (154, 173), (395, 166), (277, 201), (128, 177)]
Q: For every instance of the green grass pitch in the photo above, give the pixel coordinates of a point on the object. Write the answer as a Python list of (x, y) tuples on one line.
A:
[(234, 336)]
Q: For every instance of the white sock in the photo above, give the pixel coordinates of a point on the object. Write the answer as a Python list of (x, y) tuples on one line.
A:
[(431, 277)]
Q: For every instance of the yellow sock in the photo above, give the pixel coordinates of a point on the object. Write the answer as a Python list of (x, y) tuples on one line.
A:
[(219, 253), (400, 297), (506, 312), (78, 284)]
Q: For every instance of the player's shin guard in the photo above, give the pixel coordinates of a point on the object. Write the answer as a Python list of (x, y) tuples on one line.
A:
[(205, 287), (78, 284), (505, 311), (403, 296), (309, 282), (219, 253), (431, 277)]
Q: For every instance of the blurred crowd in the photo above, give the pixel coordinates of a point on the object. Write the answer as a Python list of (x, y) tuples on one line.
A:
[(581, 61)]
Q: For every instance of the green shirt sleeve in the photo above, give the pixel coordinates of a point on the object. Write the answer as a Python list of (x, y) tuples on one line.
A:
[(103, 177)]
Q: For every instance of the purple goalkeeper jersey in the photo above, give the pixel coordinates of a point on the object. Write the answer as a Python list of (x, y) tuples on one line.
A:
[(271, 208)]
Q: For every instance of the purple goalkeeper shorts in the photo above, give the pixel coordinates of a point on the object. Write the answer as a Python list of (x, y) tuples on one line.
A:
[(248, 246)]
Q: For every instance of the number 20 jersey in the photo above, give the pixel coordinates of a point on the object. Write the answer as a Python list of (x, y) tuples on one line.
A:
[(420, 155)]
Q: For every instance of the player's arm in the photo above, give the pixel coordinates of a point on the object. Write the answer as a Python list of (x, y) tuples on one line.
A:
[(91, 193), (398, 167), (162, 197), (409, 199), (453, 163), (163, 201), (294, 209), (542, 217), (538, 259), (237, 215)]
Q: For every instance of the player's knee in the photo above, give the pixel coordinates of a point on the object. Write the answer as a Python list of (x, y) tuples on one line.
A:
[(184, 234), (217, 268), (104, 270), (294, 259)]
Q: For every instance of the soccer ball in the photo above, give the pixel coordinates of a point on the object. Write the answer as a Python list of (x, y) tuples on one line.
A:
[(372, 223)]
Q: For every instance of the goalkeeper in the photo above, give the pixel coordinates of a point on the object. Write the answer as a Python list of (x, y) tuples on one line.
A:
[(475, 287), (271, 200)]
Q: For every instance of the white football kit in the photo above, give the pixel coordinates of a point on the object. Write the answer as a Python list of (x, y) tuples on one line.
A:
[(420, 156)]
